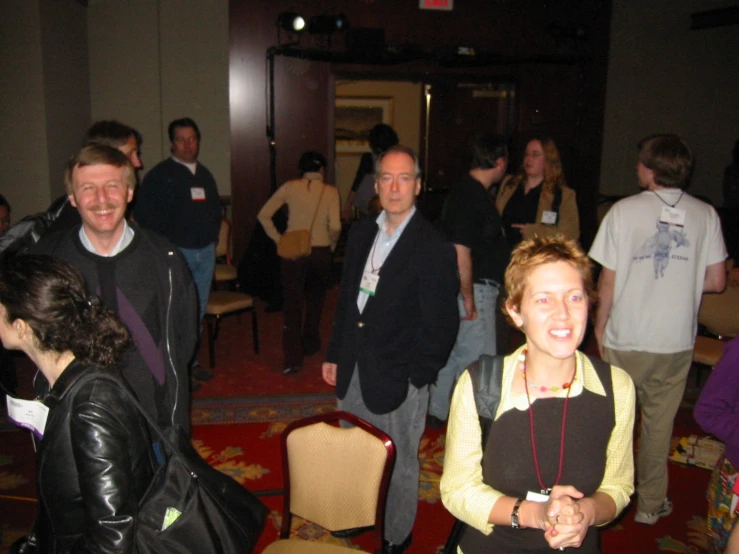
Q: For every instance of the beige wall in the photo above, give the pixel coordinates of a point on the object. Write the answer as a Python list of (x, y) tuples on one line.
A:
[(145, 62), (45, 98), (663, 77), (152, 61), (405, 119)]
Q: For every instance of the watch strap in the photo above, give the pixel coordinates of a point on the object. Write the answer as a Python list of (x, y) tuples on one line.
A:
[(515, 524)]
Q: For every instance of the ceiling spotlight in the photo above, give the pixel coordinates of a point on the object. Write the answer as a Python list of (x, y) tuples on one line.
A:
[(291, 22), (327, 24)]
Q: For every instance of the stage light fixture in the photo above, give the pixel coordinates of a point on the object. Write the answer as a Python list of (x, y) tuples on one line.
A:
[(327, 24), (291, 22)]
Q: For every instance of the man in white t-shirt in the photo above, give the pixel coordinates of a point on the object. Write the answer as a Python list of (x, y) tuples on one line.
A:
[(660, 251)]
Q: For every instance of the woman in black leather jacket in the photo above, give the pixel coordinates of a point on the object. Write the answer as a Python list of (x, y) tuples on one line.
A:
[(94, 461)]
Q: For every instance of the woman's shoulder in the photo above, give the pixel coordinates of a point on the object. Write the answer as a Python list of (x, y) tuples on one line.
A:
[(100, 386), (292, 184), (567, 192), (330, 190), (621, 379), (508, 185)]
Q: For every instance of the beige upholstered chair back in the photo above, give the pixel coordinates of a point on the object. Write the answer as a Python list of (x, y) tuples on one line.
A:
[(335, 475), (719, 313)]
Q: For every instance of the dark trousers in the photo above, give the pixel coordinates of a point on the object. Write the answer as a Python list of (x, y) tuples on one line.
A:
[(303, 285)]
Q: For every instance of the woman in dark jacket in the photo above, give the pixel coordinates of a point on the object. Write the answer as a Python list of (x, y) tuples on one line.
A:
[(94, 458), (537, 201)]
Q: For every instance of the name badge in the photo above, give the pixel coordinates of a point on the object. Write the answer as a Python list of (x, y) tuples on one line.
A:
[(29, 414), (548, 217), (672, 216), (198, 194), (369, 281), (532, 496)]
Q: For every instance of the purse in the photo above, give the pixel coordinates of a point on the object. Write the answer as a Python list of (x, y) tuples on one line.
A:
[(191, 507), (294, 245)]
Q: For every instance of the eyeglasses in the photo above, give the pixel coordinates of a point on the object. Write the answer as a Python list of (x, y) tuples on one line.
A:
[(403, 178)]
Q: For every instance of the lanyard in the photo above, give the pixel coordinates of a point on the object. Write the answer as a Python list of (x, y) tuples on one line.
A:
[(568, 386), (666, 202)]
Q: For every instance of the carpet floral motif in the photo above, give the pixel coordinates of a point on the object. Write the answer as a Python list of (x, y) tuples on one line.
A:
[(307, 531), (697, 538), (9, 481), (274, 430), (231, 410), (226, 462), (431, 457)]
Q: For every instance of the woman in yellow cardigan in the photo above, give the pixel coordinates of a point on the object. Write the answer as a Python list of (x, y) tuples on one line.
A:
[(537, 201)]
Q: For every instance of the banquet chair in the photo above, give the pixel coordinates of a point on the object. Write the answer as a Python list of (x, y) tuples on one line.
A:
[(222, 303), (336, 478), (225, 272), (718, 320)]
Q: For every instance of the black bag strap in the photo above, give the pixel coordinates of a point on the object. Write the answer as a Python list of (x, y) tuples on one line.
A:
[(172, 450), (487, 382)]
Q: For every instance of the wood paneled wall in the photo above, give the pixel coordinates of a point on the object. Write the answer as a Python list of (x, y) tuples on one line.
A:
[(563, 101)]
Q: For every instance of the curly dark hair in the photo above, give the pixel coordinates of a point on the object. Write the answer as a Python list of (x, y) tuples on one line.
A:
[(50, 296)]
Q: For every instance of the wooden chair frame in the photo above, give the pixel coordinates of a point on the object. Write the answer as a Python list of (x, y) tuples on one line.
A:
[(332, 417), (213, 325)]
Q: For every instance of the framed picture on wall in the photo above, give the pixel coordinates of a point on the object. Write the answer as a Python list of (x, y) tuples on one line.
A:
[(354, 118)]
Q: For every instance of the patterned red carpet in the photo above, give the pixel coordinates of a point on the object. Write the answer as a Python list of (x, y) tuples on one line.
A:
[(238, 417)]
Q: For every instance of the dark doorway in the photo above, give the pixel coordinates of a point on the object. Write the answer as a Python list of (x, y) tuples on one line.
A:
[(456, 109)]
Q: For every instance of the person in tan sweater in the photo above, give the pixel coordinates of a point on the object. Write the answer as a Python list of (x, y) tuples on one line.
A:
[(536, 201), (314, 205)]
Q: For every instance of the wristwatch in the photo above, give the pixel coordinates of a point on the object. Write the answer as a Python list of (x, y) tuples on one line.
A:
[(514, 514)]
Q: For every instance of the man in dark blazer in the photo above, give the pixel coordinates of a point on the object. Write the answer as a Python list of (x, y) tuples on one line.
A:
[(394, 326)]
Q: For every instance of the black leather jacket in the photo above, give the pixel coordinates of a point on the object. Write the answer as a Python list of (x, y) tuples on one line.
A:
[(94, 464)]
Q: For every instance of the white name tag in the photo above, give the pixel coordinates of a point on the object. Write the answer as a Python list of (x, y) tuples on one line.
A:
[(532, 496), (369, 282), (29, 414), (672, 216), (198, 194), (549, 217)]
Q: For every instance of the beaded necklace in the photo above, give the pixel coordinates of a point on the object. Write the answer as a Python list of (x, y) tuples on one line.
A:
[(555, 388)]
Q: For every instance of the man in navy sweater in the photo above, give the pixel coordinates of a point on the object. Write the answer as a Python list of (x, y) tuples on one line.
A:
[(179, 199)]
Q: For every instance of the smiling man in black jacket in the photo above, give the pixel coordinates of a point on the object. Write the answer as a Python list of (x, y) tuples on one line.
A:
[(137, 274)]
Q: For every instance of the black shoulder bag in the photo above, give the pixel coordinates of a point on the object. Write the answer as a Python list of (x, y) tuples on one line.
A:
[(216, 514)]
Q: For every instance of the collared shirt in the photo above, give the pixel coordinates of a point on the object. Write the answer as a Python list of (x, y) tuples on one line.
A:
[(123, 242), (463, 491), (381, 249), (191, 166)]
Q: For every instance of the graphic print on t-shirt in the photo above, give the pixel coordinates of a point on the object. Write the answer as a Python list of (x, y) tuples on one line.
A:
[(659, 247)]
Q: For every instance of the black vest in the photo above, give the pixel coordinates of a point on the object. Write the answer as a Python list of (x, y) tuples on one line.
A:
[(508, 463)]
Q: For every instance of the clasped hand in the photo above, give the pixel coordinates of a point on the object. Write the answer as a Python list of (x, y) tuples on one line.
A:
[(565, 519)]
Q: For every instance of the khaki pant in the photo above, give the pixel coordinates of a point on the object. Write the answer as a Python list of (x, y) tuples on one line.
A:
[(660, 383)]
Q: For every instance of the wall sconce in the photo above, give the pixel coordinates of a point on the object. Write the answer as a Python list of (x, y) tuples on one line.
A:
[(291, 22)]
